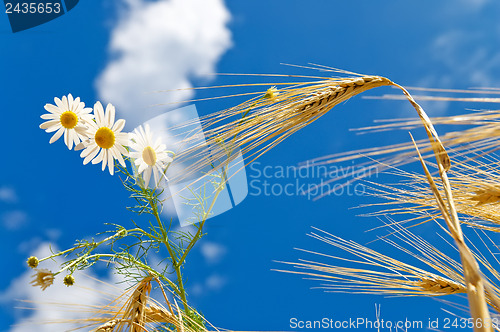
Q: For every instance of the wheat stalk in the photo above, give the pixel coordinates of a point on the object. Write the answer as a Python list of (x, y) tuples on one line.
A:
[(477, 287)]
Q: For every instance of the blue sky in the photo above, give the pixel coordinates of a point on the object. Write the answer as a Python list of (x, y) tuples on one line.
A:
[(110, 52)]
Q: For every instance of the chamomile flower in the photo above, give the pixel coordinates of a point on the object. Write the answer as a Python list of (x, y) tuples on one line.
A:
[(151, 156), (69, 117), (272, 94), (105, 141)]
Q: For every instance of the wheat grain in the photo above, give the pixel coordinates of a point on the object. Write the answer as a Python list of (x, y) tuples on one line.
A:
[(157, 314), (487, 194), (137, 304), (108, 326), (441, 286)]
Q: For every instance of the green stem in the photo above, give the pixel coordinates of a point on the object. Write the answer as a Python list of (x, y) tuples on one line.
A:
[(93, 244), (134, 261), (197, 236), (177, 267)]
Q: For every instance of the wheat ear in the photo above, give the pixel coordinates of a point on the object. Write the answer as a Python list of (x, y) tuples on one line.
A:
[(441, 286), (266, 122)]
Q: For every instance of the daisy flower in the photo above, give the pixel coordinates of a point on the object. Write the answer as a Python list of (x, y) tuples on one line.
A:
[(69, 117), (272, 94), (149, 157), (105, 141)]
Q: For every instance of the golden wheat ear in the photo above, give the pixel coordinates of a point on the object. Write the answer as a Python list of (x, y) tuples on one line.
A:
[(256, 126)]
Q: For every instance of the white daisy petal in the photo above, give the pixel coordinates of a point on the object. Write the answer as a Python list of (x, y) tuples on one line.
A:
[(82, 130), (65, 103), (118, 156), (82, 145), (118, 126), (156, 176), (99, 113), (52, 109), (91, 155), (48, 124), (66, 138), (134, 155), (53, 128), (110, 115), (89, 150), (99, 157), (57, 135), (76, 138), (147, 176), (121, 149), (111, 164), (50, 116), (142, 167), (59, 103), (78, 108), (104, 158)]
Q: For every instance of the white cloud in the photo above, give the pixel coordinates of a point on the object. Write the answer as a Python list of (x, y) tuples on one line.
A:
[(8, 195), (474, 4), (468, 56), (462, 58), (214, 282), (57, 303), (13, 220), (212, 252), (161, 45)]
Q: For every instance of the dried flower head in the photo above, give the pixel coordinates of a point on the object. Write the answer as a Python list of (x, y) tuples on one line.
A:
[(32, 262), (43, 278), (69, 280)]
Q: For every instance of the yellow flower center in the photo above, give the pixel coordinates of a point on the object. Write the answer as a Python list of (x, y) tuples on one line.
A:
[(69, 120), (149, 156), (105, 138)]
